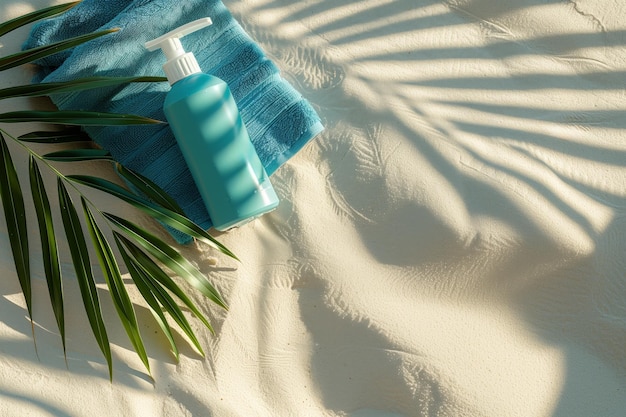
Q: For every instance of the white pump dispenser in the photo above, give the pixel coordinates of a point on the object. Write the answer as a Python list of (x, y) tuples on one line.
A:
[(179, 63)]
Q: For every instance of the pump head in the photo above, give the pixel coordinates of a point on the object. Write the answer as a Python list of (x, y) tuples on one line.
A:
[(179, 63)]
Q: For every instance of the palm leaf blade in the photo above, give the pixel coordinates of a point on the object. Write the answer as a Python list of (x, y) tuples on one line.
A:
[(149, 188), (159, 281), (147, 293), (73, 155), (50, 252), (68, 134), (169, 257), (155, 272), (23, 20), (118, 292), (15, 216), (162, 214), (33, 54), (81, 84), (72, 117), (84, 275)]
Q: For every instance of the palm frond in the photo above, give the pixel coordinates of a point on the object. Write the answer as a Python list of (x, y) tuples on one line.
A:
[(72, 155), (15, 216), (149, 189), (72, 86), (30, 55), (140, 249), (84, 274), (163, 279), (169, 257), (113, 278), (65, 135), (148, 294), (50, 252), (164, 215), (71, 117), (23, 20)]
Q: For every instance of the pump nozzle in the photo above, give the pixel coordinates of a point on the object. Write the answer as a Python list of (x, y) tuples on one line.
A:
[(179, 63)]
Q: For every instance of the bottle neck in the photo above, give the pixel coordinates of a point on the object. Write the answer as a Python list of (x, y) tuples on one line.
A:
[(181, 67)]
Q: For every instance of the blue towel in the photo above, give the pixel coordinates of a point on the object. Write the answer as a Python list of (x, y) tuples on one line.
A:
[(279, 120)]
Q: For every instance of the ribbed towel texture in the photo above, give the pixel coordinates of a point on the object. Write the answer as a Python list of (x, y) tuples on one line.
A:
[(279, 120)]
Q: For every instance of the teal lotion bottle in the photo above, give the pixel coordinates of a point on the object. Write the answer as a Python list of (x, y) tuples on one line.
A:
[(205, 120)]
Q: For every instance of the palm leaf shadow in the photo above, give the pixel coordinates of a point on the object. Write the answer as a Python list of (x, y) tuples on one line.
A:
[(458, 136)]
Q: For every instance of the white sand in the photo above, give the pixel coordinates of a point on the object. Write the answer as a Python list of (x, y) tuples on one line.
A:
[(452, 245)]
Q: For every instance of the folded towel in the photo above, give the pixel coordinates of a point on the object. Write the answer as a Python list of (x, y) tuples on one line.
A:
[(279, 120)]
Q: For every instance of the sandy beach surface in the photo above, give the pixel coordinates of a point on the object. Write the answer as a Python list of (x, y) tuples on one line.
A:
[(453, 244)]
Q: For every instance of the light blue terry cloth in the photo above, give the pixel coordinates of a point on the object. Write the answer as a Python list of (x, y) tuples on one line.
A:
[(279, 120)]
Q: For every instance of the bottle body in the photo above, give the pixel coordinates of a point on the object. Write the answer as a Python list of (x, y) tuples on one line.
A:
[(215, 144)]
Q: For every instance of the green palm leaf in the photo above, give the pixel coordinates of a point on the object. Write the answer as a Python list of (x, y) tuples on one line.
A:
[(49, 247), (149, 189), (70, 117), (68, 134), (15, 216), (30, 55), (113, 278), (141, 282), (152, 281), (45, 89), (84, 275), (159, 280), (72, 155), (169, 257), (23, 20), (162, 214)]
